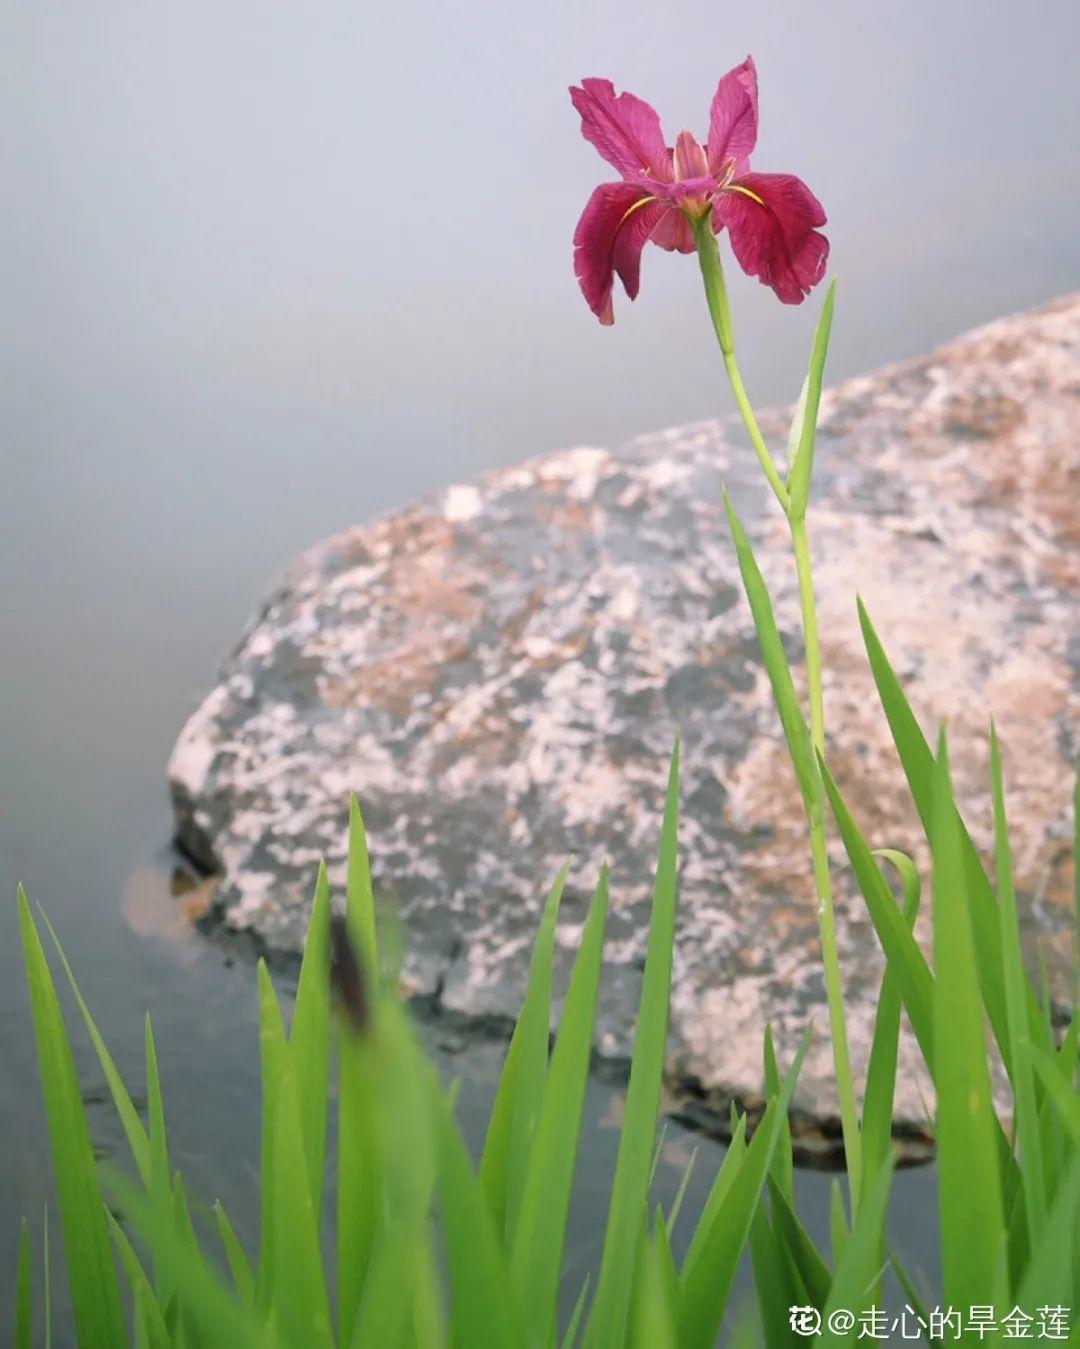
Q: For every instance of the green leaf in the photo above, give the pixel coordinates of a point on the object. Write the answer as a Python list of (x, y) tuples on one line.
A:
[(1050, 1277), (680, 1193), (839, 1231), (729, 1168), (630, 1188), (918, 765), (783, 1161), (300, 1301), (776, 665), (125, 1107), (154, 1329), (813, 1271), (239, 1267), (402, 1088), (24, 1318), (206, 1301), (906, 961), (360, 1183), (160, 1188), (795, 427), (309, 1041), (273, 1052), (359, 894), (95, 1291), (881, 1070), (654, 1316), (569, 1340), (516, 1109), (1026, 1107), (771, 1283), (802, 466), (481, 1309), (46, 1262), (359, 1174), (1059, 1089), (706, 1281), (972, 1221), (907, 1284), (541, 1233), (858, 1269)]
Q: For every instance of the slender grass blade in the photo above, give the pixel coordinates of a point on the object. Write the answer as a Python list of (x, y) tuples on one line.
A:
[(359, 1172), (1026, 1106), (300, 1302), (482, 1307), (655, 1317), (504, 1163), (134, 1132), (706, 1282), (814, 1273), (541, 1233), (1052, 1276), (273, 1051), (802, 467), (208, 1304), (630, 1188), (917, 762), (155, 1331), (570, 1339), (972, 1222), (858, 1269), (906, 961), (95, 1291), (1059, 1089), (881, 1070), (24, 1312), (239, 1266), (309, 1039), (160, 1189)]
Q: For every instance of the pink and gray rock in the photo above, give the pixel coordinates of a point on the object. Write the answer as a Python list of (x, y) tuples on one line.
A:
[(498, 672)]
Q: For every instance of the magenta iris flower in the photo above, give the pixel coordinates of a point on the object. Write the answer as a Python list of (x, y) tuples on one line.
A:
[(771, 218)]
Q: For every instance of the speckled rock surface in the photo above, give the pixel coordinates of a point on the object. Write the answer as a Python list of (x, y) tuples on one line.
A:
[(498, 672)]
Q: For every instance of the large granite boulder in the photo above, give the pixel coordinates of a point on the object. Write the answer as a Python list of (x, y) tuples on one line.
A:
[(498, 672)]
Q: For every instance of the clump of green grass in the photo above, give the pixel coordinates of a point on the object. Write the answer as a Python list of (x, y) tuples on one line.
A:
[(432, 1250)]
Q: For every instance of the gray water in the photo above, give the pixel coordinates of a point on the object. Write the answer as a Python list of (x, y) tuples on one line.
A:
[(268, 269)]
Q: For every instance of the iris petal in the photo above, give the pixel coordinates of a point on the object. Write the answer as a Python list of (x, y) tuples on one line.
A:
[(624, 129), (733, 119), (772, 219), (614, 227)]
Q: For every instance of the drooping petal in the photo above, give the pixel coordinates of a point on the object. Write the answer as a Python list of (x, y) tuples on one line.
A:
[(772, 219), (614, 227), (690, 161), (673, 232), (624, 129), (733, 118)]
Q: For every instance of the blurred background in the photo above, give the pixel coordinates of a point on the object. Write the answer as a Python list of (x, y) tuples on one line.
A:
[(271, 268)]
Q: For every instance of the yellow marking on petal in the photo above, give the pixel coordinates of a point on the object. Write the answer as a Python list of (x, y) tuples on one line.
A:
[(636, 206), (734, 187)]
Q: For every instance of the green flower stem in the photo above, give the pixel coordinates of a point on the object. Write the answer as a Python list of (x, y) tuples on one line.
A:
[(804, 571), (716, 294)]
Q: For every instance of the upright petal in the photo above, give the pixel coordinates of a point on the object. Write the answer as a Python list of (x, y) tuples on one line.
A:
[(690, 161), (614, 227), (771, 218), (733, 118), (624, 129)]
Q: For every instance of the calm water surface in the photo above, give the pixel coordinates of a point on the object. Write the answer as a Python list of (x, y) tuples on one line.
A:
[(270, 269)]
